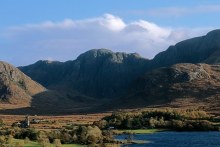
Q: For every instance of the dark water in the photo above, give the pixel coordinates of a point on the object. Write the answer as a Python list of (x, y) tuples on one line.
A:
[(177, 139)]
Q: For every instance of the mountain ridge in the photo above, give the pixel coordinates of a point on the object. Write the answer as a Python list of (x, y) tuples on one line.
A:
[(97, 73), (102, 73), (175, 77)]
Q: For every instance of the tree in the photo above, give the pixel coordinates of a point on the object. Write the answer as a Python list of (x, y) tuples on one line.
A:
[(136, 123), (152, 122), (81, 134)]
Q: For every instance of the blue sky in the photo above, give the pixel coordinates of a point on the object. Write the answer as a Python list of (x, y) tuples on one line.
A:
[(25, 11), (62, 29)]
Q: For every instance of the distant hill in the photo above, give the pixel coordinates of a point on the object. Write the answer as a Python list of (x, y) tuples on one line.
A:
[(98, 73), (16, 87)]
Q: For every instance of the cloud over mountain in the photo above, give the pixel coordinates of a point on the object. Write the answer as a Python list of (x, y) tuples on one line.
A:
[(67, 39)]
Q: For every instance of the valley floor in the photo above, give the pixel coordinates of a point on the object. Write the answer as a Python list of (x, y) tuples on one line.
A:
[(55, 122)]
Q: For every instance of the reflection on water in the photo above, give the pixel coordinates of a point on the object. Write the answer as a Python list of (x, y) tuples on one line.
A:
[(177, 139)]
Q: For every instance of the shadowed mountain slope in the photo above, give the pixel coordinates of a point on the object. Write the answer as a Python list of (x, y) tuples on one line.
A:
[(97, 73), (179, 85)]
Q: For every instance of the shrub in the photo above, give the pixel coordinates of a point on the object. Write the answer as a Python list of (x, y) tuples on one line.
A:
[(44, 142), (19, 144), (94, 134), (81, 133), (91, 139), (102, 124), (26, 140), (23, 133), (57, 143), (1, 123), (177, 124), (66, 138), (10, 139), (2, 140)]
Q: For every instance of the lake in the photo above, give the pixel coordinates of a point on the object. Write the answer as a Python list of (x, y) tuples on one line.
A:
[(179, 139)]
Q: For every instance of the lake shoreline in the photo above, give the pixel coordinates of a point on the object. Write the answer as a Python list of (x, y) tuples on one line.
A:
[(167, 138)]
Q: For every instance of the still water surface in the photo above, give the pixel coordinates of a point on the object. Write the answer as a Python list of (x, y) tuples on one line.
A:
[(176, 139)]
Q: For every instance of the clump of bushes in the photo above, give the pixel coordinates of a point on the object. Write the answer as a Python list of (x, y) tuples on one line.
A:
[(23, 133), (77, 134), (5, 140), (176, 119)]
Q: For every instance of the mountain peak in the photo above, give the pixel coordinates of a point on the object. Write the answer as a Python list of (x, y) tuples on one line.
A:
[(94, 53), (107, 54)]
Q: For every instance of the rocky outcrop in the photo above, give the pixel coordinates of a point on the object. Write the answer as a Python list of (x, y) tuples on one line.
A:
[(16, 87)]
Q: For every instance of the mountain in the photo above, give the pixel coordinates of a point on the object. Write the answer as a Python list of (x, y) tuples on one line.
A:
[(101, 73), (16, 87), (173, 77), (204, 49), (98, 73), (19, 94), (178, 85)]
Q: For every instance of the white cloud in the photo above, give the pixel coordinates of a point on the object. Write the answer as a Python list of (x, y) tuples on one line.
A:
[(67, 39), (112, 22)]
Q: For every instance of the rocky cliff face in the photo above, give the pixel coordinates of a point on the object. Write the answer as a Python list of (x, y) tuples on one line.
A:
[(16, 87), (97, 73)]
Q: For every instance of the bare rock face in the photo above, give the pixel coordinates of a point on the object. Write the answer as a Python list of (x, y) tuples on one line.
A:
[(16, 87)]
